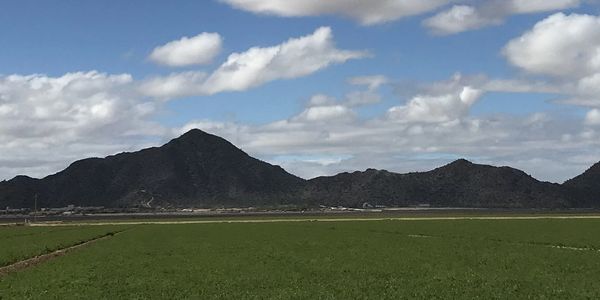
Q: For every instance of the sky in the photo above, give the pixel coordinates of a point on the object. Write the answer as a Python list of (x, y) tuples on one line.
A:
[(318, 87)]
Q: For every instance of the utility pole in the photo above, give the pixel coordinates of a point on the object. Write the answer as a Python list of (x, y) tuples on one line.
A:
[(35, 209)]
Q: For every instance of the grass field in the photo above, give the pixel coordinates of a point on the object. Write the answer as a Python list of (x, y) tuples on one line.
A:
[(390, 259), (18, 243)]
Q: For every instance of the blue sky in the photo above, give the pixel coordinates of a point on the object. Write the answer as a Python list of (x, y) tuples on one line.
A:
[(416, 118)]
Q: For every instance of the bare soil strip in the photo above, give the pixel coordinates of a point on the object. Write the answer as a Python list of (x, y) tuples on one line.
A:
[(30, 262), (562, 247), (574, 248), (419, 236)]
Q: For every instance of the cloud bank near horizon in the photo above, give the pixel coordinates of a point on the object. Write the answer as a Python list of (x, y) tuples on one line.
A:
[(46, 122)]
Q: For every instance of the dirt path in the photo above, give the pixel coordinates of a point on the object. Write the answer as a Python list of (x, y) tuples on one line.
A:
[(561, 246), (30, 262)]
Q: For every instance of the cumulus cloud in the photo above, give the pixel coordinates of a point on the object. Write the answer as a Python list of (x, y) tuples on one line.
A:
[(372, 82), (560, 45), (409, 146), (522, 86), (462, 17), (174, 85), (68, 105), (566, 49), (321, 100), (365, 12), (326, 113), (322, 108), (436, 108), (368, 96), (294, 58), (534, 6), (45, 121), (60, 119), (430, 129), (593, 117), (459, 18), (197, 50)]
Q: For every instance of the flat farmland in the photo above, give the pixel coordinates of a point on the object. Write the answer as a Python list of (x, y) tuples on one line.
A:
[(19, 243), (369, 259)]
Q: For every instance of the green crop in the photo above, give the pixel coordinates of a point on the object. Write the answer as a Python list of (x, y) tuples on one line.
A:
[(18, 243), (449, 259)]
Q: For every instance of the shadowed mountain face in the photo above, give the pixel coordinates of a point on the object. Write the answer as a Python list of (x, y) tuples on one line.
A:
[(195, 169), (585, 188), (458, 184), (200, 169)]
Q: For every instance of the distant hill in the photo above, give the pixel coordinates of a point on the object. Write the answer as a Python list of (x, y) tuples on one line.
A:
[(193, 170), (199, 169), (585, 188), (458, 184)]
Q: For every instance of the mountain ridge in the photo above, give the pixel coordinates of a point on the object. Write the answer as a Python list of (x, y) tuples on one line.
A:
[(200, 169)]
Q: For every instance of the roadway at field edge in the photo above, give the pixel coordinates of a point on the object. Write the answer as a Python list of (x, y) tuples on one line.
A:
[(174, 222)]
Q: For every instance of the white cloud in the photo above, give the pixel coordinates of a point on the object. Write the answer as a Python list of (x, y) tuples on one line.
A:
[(187, 51), (566, 49), (431, 129), (593, 117), (359, 98), (321, 100), (352, 99), (294, 58), (328, 113), (534, 6), (365, 97), (174, 85), (436, 108), (534, 143), (560, 45), (589, 85), (521, 86), (460, 18), (372, 82), (457, 19), (365, 12), (47, 122)]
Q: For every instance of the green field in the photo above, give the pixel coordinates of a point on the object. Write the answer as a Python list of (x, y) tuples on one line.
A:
[(18, 243), (429, 259)]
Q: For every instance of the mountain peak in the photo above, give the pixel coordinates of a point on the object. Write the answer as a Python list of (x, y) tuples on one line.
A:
[(594, 168), (194, 133), (589, 177), (461, 162), (198, 138), (202, 169)]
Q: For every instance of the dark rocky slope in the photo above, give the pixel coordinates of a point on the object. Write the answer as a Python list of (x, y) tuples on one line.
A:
[(200, 169), (196, 169), (458, 184), (585, 188)]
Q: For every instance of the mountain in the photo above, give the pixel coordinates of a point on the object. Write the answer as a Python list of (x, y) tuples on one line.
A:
[(196, 169), (376, 187), (200, 169), (473, 185), (458, 184), (585, 188), (19, 192)]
